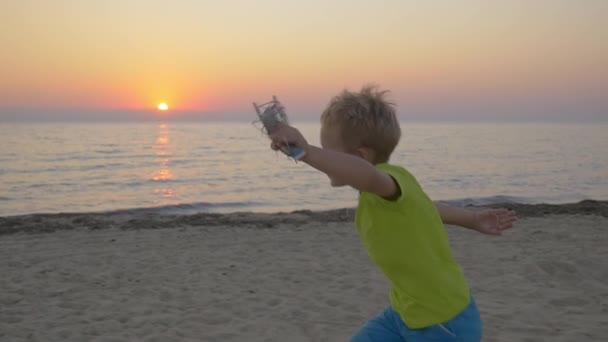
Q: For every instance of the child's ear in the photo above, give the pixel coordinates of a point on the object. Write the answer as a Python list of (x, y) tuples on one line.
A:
[(366, 153)]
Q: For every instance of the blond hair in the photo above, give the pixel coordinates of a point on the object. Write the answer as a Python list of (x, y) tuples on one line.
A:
[(365, 119)]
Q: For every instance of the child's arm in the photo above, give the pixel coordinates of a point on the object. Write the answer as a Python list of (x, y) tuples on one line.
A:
[(352, 170), (344, 168), (488, 221)]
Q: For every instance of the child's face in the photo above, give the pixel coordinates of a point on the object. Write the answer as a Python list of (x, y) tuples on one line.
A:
[(331, 140)]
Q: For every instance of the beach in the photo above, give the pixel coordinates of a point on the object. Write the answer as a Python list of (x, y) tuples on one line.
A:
[(299, 276)]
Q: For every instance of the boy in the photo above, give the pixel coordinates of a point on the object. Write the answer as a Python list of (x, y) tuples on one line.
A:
[(401, 228)]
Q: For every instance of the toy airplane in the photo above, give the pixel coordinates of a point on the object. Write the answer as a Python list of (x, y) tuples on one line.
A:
[(271, 114)]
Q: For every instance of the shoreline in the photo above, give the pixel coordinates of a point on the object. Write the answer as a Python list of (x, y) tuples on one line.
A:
[(124, 220)]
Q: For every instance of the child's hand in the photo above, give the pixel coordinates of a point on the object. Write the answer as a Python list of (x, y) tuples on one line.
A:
[(287, 135), (494, 221)]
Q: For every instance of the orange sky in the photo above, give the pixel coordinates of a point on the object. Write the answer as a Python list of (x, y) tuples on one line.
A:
[(218, 57)]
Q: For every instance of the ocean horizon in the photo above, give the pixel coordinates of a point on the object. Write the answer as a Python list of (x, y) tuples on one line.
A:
[(179, 167)]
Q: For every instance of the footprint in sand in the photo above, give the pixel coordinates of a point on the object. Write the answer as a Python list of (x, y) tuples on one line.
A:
[(216, 320), (569, 301), (332, 302), (556, 268), (274, 302)]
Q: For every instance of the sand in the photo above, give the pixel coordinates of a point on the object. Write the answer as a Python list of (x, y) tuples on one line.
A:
[(301, 276)]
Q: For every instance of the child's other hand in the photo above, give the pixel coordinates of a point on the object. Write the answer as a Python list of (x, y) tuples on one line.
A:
[(287, 135), (494, 221)]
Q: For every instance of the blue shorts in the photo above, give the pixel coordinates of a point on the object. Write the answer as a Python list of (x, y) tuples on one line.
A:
[(388, 327)]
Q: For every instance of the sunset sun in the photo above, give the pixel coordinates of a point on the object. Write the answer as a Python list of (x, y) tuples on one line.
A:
[(162, 106)]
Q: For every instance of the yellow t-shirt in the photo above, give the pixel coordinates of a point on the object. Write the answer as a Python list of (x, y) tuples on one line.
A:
[(407, 240)]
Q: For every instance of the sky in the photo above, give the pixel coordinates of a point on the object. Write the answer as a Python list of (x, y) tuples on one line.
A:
[(441, 60)]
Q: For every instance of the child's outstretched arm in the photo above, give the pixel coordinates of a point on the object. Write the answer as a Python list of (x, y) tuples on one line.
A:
[(488, 221), (345, 168)]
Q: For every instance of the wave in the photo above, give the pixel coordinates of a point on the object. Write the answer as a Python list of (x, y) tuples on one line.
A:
[(505, 199), (70, 168), (113, 151), (525, 206), (187, 208), (100, 156), (173, 209), (481, 201)]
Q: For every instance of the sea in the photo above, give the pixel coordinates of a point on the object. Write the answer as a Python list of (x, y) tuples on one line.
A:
[(189, 167)]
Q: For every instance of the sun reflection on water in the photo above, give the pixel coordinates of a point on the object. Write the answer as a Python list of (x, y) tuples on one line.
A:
[(163, 174)]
